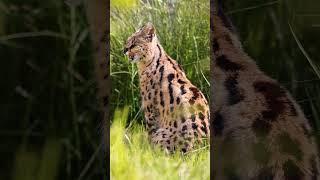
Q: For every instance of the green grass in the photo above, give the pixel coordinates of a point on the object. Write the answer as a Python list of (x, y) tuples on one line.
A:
[(132, 156)]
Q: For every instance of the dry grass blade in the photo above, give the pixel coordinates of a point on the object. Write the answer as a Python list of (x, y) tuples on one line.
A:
[(252, 7), (313, 65), (32, 34)]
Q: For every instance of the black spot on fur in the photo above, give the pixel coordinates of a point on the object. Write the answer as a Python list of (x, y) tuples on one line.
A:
[(181, 81), (194, 126), (261, 127), (215, 45), (218, 124), (178, 100), (195, 93), (275, 98), (204, 127), (160, 54), (183, 91), (184, 128), (227, 65), (183, 120), (161, 73), (292, 171), (161, 99), (201, 116), (170, 78), (193, 118), (234, 95), (175, 124)]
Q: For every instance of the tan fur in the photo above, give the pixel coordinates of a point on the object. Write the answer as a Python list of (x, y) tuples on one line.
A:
[(176, 112), (264, 134)]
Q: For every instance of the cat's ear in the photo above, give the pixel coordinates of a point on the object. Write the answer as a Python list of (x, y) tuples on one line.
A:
[(149, 31)]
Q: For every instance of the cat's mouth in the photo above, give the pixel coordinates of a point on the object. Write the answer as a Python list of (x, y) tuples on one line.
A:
[(133, 58)]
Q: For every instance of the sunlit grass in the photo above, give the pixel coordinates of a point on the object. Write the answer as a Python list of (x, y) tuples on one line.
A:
[(132, 156), (182, 34)]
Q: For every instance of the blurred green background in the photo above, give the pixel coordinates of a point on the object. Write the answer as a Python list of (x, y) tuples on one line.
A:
[(49, 126), (283, 37)]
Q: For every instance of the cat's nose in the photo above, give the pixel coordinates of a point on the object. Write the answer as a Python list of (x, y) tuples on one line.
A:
[(125, 50)]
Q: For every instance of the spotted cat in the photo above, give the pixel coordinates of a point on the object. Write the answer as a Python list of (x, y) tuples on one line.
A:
[(259, 131), (176, 112)]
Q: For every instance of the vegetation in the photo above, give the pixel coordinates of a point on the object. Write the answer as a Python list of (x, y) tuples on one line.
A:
[(133, 157)]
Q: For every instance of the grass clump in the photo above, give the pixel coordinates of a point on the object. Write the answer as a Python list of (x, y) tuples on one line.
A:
[(132, 156)]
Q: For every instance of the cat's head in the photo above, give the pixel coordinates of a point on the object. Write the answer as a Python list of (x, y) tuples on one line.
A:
[(140, 45)]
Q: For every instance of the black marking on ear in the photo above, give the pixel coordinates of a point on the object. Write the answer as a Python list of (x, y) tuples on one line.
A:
[(218, 124)]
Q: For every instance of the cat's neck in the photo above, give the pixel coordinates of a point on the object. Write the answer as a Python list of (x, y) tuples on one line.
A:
[(152, 63), (227, 48)]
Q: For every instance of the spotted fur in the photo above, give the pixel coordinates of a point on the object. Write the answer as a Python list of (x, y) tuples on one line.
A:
[(176, 112), (259, 130)]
